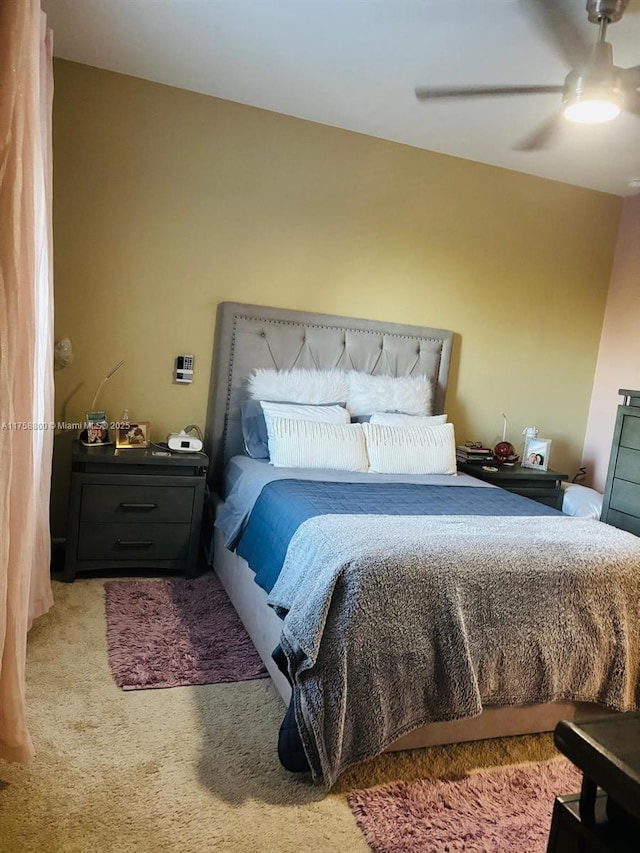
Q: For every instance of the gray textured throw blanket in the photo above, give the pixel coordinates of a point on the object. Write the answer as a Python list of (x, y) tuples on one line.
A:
[(395, 622)]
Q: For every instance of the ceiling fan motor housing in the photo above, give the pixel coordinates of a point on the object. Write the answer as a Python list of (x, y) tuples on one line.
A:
[(597, 77), (610, 10)]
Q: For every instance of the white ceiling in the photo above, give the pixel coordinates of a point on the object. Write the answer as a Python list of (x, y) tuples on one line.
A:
[(354, 64)]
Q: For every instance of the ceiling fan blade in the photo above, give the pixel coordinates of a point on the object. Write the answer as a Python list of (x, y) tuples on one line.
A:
[(631, 84), (425, 93), (541, 137), (554, 18), (631, 78)]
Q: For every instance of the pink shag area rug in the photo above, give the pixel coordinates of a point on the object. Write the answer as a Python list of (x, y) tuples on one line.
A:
[(507, 810), (172, 633)]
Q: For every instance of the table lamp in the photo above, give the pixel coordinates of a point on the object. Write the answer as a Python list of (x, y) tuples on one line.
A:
[(97, 426)]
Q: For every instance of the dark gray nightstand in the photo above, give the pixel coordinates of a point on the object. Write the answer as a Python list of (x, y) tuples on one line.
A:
[(541, 486), (129, 509)]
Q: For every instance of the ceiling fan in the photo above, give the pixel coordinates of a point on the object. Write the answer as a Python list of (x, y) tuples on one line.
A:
[(595, 90)]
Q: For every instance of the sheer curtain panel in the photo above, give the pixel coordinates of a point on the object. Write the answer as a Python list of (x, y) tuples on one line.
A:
[(26, 351)]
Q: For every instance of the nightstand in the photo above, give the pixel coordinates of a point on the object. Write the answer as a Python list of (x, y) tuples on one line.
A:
[(541, 486), (129, 509)]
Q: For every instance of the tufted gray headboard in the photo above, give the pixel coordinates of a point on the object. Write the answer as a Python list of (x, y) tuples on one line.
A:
[(252, 336)]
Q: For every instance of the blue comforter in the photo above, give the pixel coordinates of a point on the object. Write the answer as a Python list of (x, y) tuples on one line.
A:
[(285, 504)]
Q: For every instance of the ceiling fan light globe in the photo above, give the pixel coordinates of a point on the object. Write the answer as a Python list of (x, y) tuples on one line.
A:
[(591, 111)]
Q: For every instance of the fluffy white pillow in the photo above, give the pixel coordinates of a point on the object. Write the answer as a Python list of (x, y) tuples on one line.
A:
[(309, 444), (410, 394), (299, 385), (411, 450), (399, 419)]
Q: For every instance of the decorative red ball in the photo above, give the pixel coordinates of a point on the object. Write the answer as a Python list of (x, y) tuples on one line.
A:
[(503, 451)]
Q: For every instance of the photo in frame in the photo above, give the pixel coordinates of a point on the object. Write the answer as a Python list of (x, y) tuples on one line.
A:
[(96, 430), (536, 453), (133, 435)]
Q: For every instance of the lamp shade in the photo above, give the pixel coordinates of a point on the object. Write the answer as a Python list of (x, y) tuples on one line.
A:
[(594, 93), (591, 110)]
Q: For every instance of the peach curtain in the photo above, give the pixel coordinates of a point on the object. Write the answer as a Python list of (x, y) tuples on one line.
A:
[(26, 351)]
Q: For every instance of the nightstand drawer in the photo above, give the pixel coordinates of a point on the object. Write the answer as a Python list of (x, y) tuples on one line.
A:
[(541, 486), (124, 504), (549, 496), (142, 542)]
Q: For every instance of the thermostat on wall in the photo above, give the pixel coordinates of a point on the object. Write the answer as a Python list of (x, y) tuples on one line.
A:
[(184, 369)]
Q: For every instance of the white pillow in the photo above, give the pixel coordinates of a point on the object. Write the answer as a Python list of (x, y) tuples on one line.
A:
[(410, 394), (411, 450), (299, 412), (299, 385), (399, 419), (309, 444), (581, 501)]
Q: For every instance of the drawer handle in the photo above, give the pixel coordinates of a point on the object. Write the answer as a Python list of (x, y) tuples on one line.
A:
[(134, 543), (138, 506)]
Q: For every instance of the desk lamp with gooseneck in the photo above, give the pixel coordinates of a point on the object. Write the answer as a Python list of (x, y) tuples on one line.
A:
[(96, 430)]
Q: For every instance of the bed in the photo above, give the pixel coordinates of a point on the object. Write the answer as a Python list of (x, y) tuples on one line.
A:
[(251, 337)]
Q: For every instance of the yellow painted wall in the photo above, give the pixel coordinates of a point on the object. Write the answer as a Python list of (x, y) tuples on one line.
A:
[(167, 202)]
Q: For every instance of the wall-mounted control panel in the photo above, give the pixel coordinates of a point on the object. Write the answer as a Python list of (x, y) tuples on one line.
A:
[(184, 369)]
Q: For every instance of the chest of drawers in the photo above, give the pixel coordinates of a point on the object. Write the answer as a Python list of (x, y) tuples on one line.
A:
[(621, 501), (130, 509)]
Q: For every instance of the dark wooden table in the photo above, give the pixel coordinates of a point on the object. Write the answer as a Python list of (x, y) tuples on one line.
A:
[(541, 486), (605, 816)]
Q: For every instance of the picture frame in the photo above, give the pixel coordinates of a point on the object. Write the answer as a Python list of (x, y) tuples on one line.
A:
[(536, 453), (96, 430), (133, 436)]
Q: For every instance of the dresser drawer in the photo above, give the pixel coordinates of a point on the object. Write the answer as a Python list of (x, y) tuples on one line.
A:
[(145, 541), (625, 497), (628, 464), (630, 433), (624, 521), (124, 504)]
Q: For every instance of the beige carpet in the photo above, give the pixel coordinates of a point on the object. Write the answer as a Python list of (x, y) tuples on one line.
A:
[(186, 770)]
